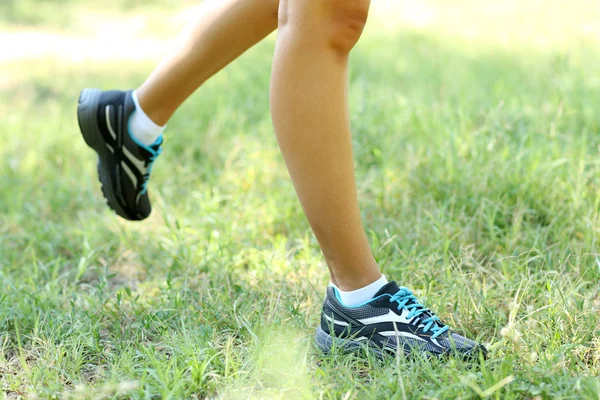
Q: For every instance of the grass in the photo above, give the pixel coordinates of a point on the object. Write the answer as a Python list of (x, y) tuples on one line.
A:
[(477, 165), (75, 15)]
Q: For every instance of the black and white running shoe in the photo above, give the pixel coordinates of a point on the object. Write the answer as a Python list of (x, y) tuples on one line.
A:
[(392, 321), (124, 164)]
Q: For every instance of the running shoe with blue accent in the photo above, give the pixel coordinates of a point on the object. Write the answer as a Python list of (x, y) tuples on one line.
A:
[(124, 164), (393, 321)]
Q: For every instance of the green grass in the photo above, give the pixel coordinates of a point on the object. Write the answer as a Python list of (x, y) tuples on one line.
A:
[(479, 177), (67, 14)]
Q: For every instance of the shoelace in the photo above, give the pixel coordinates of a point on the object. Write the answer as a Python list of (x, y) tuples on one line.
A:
[(151, 160), (407, 300)]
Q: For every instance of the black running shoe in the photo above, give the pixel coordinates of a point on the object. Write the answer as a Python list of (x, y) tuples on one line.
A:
[(124, 164), (392, 321)]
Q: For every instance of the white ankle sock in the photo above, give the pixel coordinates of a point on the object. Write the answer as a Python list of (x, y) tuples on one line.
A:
[(363, 294), (141, 127)]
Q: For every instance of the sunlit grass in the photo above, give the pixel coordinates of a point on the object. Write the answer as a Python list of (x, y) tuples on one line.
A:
[(545, 24)]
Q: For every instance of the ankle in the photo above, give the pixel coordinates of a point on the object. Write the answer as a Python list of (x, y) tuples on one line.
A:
[(347, 282), (158, 112), (141, 126), (363, 294), (352, 270)]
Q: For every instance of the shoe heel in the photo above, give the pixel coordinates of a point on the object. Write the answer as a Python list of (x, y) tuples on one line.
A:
[(87, 116), (323, 341)]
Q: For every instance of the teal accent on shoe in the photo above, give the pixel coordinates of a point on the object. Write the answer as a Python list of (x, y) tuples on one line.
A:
[(404, 296), (153, 157), (142, 145), (149, 149), (337, 296)]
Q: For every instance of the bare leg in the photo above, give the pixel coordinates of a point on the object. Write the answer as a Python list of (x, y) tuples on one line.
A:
[(310, 109), (309, 103), (226, 29)]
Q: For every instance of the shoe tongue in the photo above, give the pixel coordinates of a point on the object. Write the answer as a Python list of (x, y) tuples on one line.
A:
[(156, 145), (389, 288), (392, 288)]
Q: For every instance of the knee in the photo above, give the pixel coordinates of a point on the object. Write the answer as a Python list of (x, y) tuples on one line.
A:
[(347, 22), (336, 23)]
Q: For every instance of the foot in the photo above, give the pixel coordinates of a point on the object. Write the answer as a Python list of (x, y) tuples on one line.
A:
[(124, 164), (392, 321)]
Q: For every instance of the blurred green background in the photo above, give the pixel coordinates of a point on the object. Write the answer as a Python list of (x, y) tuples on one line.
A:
[(63, 13)]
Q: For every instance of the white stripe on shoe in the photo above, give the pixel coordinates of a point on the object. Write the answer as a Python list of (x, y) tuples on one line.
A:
[(139, 164), (335, 321), (110, 128), (130, 173), (389, 317), (401, 333)]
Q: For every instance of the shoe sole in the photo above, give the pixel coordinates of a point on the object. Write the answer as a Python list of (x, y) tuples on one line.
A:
[(328, 344), (87, 116)]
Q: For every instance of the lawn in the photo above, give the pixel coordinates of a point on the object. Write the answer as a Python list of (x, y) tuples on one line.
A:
[(476, 136)]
